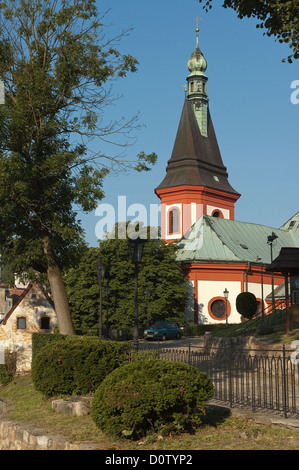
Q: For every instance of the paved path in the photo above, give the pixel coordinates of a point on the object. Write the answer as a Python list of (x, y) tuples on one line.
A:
[(196, 341)]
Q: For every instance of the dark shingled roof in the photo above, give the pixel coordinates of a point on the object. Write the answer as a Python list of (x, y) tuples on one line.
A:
[(195, 160), (286, 262)]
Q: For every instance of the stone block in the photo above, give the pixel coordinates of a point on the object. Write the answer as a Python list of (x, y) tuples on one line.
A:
[(76, 406)]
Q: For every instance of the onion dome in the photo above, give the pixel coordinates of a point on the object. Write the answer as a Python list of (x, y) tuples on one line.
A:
[(197, 61)]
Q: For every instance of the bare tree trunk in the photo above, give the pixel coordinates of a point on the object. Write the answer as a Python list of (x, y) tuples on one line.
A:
[(58, 290)]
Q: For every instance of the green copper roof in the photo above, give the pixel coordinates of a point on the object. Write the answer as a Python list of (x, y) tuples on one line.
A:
[(197, 64), (197, 88), (220, 240)]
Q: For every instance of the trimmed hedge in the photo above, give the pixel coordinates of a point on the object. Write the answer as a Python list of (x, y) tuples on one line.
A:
[(39, 340), (151, 394), (246, 304), (76, 365)]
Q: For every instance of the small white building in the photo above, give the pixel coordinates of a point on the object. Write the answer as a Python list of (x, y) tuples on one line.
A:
[(32, 312)]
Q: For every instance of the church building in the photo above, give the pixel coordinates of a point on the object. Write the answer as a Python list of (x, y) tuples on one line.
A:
[(220, 256)]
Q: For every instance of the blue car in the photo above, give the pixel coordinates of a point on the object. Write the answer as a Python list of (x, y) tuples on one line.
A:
[(163, 330)]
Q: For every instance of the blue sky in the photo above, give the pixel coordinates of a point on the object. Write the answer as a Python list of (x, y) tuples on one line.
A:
[(249, 90)]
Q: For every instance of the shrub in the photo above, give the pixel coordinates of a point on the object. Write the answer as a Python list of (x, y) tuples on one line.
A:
[(5, 375), (246, 304), (39, 340), (8, 369), (151, 394), (76, 365)]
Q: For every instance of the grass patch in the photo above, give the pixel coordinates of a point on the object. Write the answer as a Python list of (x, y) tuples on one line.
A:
[(281, 337), (219, 430), (28, 405)]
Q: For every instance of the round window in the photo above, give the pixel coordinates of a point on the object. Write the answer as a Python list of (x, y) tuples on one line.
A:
[(217, 308)]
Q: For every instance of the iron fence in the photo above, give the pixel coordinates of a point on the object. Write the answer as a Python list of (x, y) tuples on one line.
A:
[(259, 379)]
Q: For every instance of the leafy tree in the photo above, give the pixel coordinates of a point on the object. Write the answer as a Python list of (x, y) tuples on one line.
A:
[(280, 18), (58, 69), (83, 291), (158, 271)]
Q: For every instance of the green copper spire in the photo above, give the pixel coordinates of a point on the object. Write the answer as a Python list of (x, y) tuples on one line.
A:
[(197, 87)]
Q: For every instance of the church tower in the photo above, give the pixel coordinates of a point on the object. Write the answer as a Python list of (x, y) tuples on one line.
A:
[(196, 181)]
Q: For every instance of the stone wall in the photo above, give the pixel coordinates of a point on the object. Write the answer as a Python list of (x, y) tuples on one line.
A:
[(248, 344), (16, 435), (19, 436)]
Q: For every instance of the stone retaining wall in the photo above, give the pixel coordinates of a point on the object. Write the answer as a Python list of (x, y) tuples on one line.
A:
[(16, 435), (246, 343), (19, 436)]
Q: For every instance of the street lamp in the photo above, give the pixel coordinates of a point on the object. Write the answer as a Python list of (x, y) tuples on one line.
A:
[(262, 285), (225, 293), (136, 249), (101, 267), (107, 322), (270, 241)]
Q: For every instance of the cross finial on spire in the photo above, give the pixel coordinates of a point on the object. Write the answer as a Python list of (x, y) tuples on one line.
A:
[(197, 19)]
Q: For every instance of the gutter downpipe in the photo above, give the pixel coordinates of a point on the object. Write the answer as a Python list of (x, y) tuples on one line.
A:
[(246, 276)]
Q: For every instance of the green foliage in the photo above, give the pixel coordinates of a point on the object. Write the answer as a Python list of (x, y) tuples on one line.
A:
[(278, 17), (5, 376), (190, 329), (76, 365), (150, 395), (83, 291), (246, 304), (57, 67), (158, 271), (39, 340)]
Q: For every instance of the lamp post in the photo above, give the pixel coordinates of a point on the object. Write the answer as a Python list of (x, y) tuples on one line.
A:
[(107, 317), (270, 241), (101, 267), (262, 285), (136, 249), (148, 292), (225, 293)]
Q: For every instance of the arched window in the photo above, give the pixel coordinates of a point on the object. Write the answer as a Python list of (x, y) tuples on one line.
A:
[(217, 213), (192, 87), (174, 222)]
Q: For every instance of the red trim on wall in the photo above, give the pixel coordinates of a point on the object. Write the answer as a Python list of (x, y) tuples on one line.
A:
[(200, 195), (229, 272)]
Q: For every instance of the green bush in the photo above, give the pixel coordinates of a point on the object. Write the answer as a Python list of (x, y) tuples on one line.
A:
[(151, 394), (76, 365), (5, 375), (246, 304), (39, 340)]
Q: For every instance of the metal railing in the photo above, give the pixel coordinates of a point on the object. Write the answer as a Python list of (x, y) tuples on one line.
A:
[(259, 379), (271, 319)]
